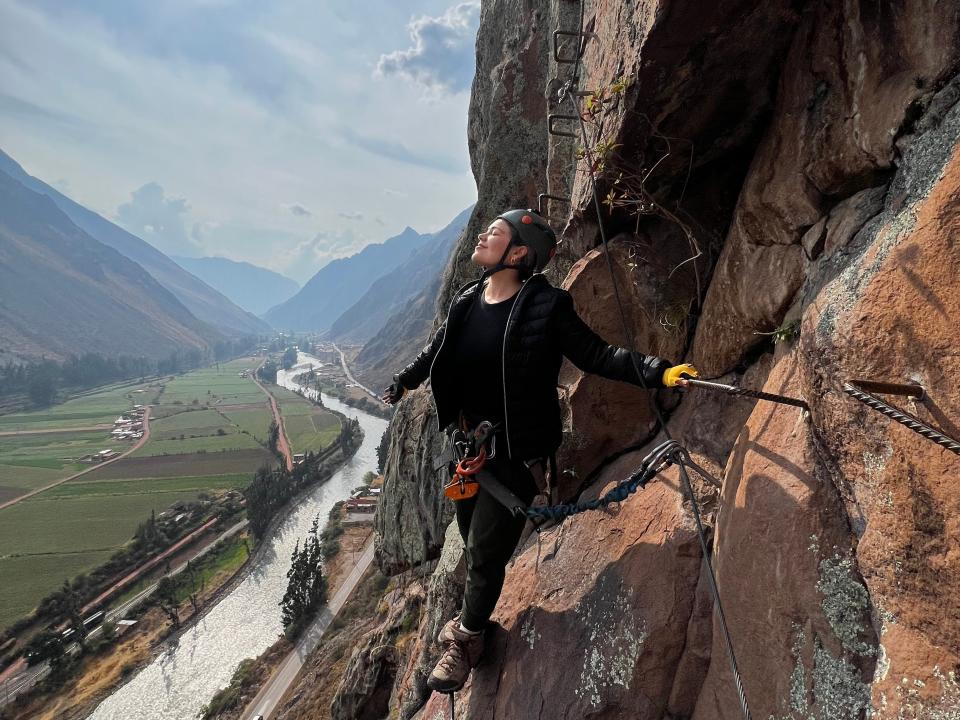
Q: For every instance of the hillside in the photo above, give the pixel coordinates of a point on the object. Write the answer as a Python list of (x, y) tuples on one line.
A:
[(62, 292), (338, 285), (392, 292), (399, 340), (201, 300), (781, 183), (253, 288)]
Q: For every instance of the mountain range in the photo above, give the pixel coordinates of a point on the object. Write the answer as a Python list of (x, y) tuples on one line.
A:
[(63, 292), (341, 283), (208, 305), (391, 293), (253, 288)]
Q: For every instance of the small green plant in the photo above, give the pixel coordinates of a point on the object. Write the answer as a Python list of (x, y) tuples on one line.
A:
[(787, 332)]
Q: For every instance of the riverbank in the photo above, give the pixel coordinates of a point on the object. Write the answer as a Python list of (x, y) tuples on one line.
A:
[(246, 621), (102, 674)]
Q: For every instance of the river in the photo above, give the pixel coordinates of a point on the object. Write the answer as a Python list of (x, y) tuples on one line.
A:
[(245, 622)]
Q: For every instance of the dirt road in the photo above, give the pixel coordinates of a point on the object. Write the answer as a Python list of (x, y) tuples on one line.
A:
[(282, 444), (136, 446)]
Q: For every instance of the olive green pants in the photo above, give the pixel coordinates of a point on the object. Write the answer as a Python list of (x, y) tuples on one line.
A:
[(490, 535)]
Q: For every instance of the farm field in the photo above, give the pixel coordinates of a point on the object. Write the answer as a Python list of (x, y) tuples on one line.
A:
[(28, 578), (309, 427), (238, 461), (34, 456), (209, 410), (207, 430), (97, 407)]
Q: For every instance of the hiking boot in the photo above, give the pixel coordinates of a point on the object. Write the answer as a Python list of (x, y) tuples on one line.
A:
[(461, 653)]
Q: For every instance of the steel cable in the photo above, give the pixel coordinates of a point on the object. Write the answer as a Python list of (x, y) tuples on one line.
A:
[(904, 418), (588, 156)]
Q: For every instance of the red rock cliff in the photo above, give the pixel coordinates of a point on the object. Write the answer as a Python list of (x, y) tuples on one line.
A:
[(806, 157)]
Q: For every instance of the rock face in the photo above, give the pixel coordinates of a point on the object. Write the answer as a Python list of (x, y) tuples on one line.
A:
[(413, 513), (783, 186)]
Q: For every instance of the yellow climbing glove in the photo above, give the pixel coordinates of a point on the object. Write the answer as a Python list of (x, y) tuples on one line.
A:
[(672, 375)]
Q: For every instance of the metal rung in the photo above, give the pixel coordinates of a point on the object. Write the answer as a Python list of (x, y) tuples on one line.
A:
[(557, 34), (858, 389), (551, 119), (547, 196), (884, 388)]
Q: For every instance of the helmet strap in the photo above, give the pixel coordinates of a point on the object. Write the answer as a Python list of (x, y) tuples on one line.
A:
[(502, 263)]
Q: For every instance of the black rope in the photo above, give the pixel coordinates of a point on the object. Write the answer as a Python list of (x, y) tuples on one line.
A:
[(568, 91), (904, 418)]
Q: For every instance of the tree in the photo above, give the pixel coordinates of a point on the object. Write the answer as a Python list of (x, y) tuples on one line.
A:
[(45, 645), (306, 585), (382, 449), (42, 387), (167, 599), (289, 358)]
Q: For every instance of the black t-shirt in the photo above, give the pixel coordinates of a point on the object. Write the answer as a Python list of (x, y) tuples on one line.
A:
[(478, 358)]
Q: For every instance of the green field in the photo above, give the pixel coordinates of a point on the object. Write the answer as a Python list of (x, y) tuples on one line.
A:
[(77, 525), (221, 386), (31, 461), (309, 427), (209, 410), (97, 407), (28, 578), (238, 461), (253, 421)]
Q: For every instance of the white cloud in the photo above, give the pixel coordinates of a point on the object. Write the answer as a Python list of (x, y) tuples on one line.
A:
[(302, 261), (158, 219), (442, 55), (238, 108)]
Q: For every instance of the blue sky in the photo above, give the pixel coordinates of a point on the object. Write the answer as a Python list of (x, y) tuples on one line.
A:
[(282, 133)]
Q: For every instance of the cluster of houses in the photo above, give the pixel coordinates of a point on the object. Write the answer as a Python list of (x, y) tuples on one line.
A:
[(99, 457), (129, 426), (363, 500)]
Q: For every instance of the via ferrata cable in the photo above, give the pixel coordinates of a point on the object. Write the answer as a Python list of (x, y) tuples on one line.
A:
[(588, 155)]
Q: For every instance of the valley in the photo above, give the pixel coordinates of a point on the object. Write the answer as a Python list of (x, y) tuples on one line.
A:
[(208, 433)]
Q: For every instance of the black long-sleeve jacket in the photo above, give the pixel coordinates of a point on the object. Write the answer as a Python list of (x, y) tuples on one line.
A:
[(542, 328)]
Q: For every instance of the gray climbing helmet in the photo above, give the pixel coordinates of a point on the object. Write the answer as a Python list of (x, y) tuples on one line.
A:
[(534, 233)]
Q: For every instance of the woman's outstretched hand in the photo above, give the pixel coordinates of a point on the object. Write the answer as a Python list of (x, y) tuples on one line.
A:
[(674, 376), (392, 395)]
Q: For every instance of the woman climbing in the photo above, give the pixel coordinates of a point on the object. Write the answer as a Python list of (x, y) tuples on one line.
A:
[(496, 358)]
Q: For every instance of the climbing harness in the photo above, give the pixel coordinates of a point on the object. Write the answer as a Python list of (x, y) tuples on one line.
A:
[(470, 449), (863, 390)]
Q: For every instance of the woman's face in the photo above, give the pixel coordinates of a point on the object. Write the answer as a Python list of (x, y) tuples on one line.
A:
[(492, 243)]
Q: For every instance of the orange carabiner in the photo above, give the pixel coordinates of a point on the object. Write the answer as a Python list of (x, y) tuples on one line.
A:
[(461, 486), (472, 465)]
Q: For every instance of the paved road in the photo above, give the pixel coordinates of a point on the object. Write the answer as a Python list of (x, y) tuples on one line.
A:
[(266, 701), (136, 446), (283, 445), (350, 377)]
